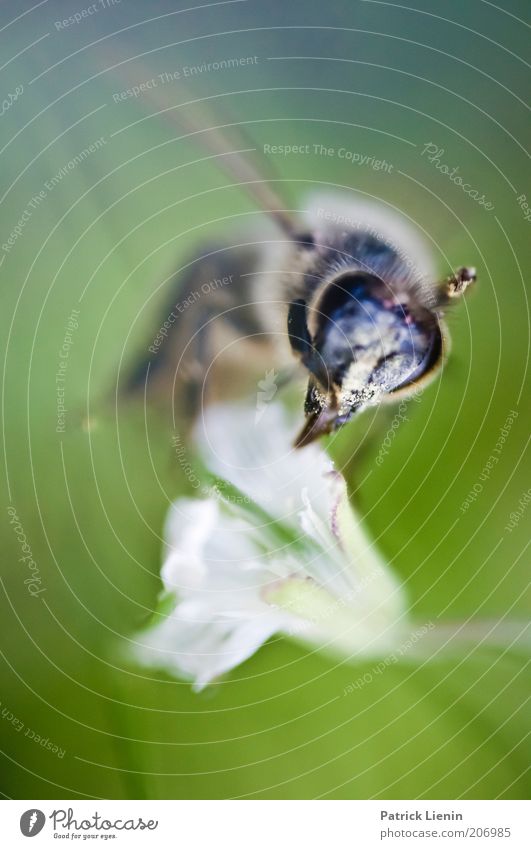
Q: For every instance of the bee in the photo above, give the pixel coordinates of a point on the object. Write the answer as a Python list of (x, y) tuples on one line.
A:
[(367, 317), (346, 288)]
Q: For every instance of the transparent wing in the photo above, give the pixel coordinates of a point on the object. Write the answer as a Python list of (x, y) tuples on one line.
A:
[(228, 141)]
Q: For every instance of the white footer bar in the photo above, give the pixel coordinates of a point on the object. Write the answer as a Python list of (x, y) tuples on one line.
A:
[(267, 824)]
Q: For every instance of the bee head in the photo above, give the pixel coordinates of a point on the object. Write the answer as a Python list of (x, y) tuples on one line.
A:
[(360, 343)]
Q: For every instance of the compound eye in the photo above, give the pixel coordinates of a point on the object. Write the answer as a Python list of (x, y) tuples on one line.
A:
[(429, 362), (298, 333)]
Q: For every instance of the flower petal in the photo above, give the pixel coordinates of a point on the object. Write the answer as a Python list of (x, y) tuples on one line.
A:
[(260, 460), (240, 577), (203, 650)]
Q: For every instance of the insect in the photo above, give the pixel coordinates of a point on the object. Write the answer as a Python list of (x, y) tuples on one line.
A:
[(346, 288), (367, 320)]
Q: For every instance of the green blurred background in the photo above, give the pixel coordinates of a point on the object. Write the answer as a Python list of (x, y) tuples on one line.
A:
[(381, 79)]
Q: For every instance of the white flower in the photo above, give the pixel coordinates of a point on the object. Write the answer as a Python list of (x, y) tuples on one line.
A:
[(281, 552)]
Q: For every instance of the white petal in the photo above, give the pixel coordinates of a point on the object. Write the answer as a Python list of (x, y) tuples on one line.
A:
[(188, 526), (202, 651), (378, 587), (259, 459), (208, 546), (329, 564)]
